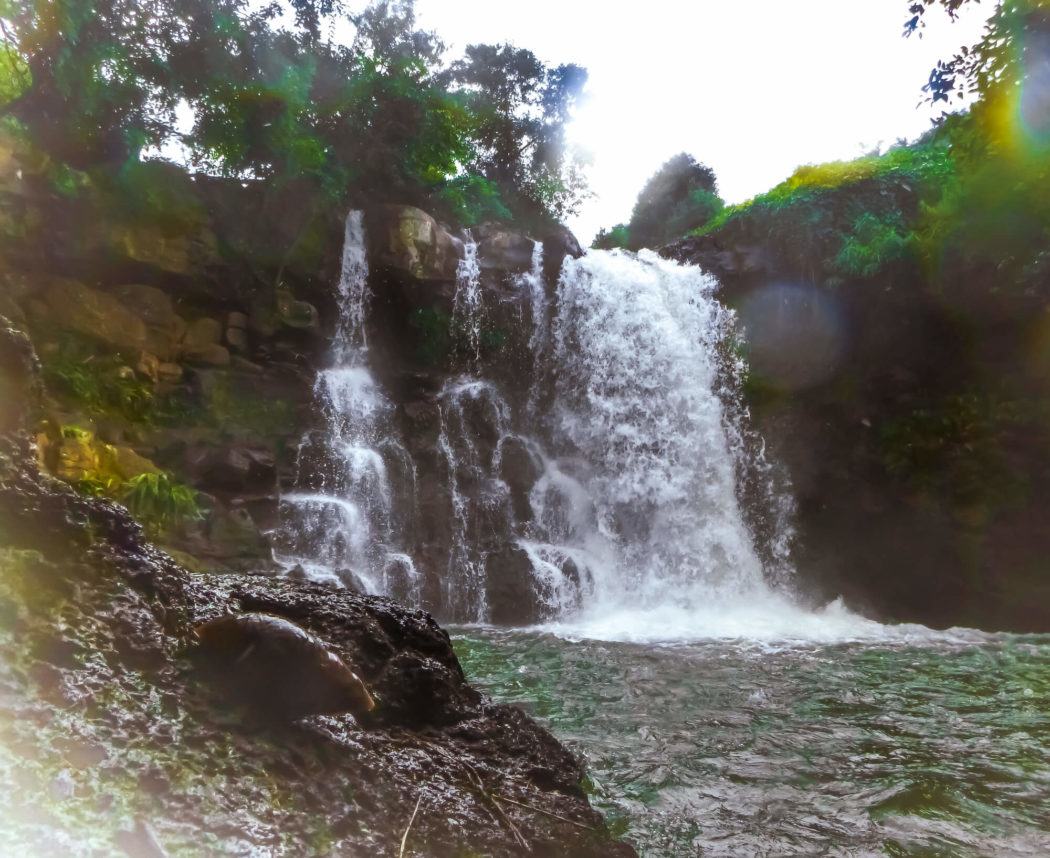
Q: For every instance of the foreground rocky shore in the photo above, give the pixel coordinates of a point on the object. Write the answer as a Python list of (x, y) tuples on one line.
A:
[(108, 741)]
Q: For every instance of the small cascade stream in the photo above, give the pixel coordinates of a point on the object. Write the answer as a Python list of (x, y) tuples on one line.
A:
[(340, 523), (467, 307), (480, 499)]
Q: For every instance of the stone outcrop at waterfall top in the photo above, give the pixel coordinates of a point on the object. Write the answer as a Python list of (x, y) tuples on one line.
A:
[(504, 250), (409, 240)]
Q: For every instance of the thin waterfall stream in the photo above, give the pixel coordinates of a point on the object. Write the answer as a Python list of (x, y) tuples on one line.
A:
[(340, 522)]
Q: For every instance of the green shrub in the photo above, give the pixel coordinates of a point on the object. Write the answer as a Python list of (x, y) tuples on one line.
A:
[(159, 502), (682, 195), (98, 486), (811, 191), (697, 209), (954, 446), (617, 237), (471, 200), (433, 335), (874, 243), (96, 383)]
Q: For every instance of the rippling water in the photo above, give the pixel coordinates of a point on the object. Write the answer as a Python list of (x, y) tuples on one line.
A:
[(928, 745)]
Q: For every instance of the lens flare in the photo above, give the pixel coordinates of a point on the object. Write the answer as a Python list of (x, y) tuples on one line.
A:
[(1034, 100), (795, 334)]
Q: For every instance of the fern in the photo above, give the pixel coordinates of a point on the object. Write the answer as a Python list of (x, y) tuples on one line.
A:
[(159, 502)]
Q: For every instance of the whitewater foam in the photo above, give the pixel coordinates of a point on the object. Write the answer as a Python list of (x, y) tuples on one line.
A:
[(776, 622)]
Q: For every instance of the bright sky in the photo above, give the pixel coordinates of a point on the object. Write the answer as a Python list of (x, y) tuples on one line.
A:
[(753, 89)]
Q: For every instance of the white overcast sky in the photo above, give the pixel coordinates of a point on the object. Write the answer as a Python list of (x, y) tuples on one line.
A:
[(753, 89)]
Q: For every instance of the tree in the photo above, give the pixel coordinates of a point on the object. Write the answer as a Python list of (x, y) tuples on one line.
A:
[(521, 109), (1014, 46), (273, 95), (681, 196), (102, 78)]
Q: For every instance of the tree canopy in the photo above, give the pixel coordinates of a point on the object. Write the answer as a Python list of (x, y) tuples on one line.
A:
[(681, 196), (1014, 44), (522, 108), (281, 92)]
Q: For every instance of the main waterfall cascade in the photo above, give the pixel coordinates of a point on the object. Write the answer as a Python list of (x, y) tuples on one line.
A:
[(642, 501), (635, 366), (612, 483)]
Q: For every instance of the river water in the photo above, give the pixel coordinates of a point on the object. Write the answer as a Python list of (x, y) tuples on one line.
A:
[(899, 742)]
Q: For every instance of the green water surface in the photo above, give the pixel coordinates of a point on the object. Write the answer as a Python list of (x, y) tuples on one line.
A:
[(731, 749)]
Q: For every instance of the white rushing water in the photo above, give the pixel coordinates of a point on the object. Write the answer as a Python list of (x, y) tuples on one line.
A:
[(343, 528), (472, 412), (643, 498), (467, 307), (650, 513)]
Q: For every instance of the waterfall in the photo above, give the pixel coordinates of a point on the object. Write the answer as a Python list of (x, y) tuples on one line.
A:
[(474, 422), (340, 523), (532, 281), (638, 509), (466, 304), (599, 470)]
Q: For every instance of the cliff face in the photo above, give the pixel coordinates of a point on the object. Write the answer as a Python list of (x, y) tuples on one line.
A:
[(168, 350), (181, 324), (908, 405), (110, 741)]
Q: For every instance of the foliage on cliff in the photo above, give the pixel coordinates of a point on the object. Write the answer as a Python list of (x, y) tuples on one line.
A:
[(680, 196), (971, 189), (349, 105)]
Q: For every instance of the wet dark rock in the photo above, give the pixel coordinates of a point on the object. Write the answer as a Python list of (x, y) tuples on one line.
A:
[(504, 250), (510, 587), (297, 573), (154, 782), (19, 385), (236, 467), (296, 314), (277, 668), (558, 244), (519, 469), (140, 842), (352, 580), (230, 538)]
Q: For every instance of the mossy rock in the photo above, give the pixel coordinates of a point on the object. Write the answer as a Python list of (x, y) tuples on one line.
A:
[(77, 456), (72, 306), (409, 240)]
